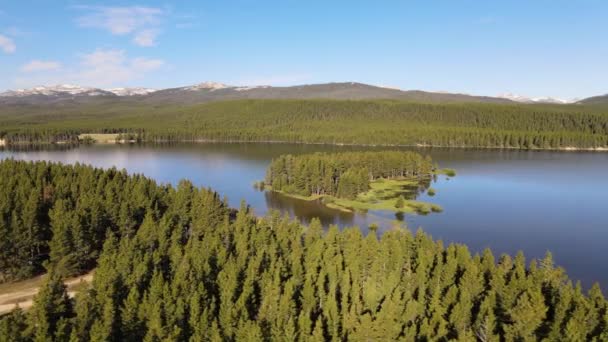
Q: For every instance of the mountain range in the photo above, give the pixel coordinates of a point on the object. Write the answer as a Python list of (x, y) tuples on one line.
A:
[(525, 99), (596, 100), (213, 91)]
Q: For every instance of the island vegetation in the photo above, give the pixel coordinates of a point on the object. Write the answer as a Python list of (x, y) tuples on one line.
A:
[(375, 122), (177, 264), (355, 180)]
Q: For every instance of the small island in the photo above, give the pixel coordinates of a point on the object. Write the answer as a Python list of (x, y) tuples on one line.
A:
[(356, 181)]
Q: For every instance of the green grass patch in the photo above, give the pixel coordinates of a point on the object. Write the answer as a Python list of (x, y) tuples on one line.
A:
[(383, 195), (447, 172)]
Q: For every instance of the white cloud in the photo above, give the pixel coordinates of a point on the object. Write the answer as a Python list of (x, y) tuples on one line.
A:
[(103, 57), (139, 21), (38, 65), (146, 37), (7, 45), (113, 67), (103, 68), (121, 20)]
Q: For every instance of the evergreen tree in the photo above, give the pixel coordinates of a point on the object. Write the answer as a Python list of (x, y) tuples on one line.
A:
[(63, 256), (13, 327), (189, 268), (48, 318), (343, 174)]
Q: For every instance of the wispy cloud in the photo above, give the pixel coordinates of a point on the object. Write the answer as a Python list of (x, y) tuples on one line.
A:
[(38, 65), (113, 67), (146, 37), (99, 68), (7, 44), (142, 23)]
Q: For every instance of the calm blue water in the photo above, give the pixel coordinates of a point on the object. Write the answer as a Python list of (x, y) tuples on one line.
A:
[(505, 200)]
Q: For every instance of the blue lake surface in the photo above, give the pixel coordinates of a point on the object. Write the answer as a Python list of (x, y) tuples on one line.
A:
[(532, 201)]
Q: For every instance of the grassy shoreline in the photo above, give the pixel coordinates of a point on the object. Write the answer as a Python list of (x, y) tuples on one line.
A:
[(383, 195)]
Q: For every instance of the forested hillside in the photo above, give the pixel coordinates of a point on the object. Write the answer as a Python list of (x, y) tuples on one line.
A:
[(385, 122), (191, 269), (58, 216), (343, 174)]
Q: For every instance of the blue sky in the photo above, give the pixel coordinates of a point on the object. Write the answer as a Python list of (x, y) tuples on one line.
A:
[(534, 47)]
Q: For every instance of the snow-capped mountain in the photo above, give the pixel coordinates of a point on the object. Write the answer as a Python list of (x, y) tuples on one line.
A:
[(525, 99), (212, 86), (214, 91), (207, 86), (53, 90), (74, 90), (131, 91)]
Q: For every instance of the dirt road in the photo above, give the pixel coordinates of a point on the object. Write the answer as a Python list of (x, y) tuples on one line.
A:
[(22, 293)]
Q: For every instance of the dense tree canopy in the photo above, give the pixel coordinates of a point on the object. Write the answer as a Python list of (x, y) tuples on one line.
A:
[(198, 271), (387, 122), (57, 214), (342, 174)]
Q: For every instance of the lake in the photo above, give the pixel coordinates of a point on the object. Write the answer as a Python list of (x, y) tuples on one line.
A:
[(506, 200)]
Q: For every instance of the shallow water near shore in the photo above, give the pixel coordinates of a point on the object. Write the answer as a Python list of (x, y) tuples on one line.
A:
[(507, 200)]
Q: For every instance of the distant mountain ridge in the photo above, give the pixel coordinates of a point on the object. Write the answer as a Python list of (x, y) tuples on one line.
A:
[(596, 100), (70, 89), (525, 99), (214, 91)]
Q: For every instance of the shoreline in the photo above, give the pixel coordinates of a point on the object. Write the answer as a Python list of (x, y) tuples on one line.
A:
[(373, 203), (410, 206), (3, 143), (417, 145), (311, 198)]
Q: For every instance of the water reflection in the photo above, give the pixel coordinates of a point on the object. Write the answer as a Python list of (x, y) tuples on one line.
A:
[(400, 216), (306, 210), (37, 147)]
